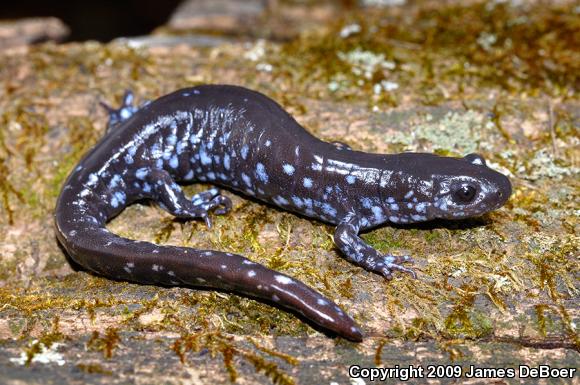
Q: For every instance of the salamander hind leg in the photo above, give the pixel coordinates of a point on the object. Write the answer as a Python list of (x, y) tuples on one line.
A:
[(357, 251), (171, 198), (124, 112)]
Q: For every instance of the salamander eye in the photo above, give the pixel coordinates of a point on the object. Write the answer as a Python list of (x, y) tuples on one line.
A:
[(464, 194)]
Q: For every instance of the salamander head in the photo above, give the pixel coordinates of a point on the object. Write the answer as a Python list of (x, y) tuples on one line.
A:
[(466, 187)]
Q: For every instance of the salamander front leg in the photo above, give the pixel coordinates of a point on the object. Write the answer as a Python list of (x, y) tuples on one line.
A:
[(357, 251), (170, 197)]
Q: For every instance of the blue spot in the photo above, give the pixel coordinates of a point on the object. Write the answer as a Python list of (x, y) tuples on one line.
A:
[(114, 202), (378, 213), (205, 159), (173, 162), (227, 161), (288, 169), (128, 159), (121, 197), (115, 181), (93, 179), (189, 175), (391, 200), (179, 148), (244, 151), (307, 182), (420, 207), (350, 179), (366, 202), (247, 180), (297, 201), (142, 173), (132, 150), (394, 219), (159, 163), (394, 207), (261, 173), (328, 209), (280, 200), (156, 151), (125, 113)]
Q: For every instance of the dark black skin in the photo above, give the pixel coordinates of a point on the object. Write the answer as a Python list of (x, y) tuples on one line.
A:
[(241, 140)]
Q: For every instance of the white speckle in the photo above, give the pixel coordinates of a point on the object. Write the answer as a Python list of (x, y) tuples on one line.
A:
[(391, 200), (275, 298), (409, 194), (171, 273), (155, 268), (409, 205), (207, 253), (288, 168), (200, 280), (224, 267), (321, 302), (307, 182), (251, 273), (42, 355), (394, 207), (283, 279), (350, 179), (394, 219), (261, 173), (248, 262), (114, 202), (268, 143), (350, 29)]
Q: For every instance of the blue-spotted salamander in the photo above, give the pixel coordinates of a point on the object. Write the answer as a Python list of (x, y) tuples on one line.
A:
[(239, 139)]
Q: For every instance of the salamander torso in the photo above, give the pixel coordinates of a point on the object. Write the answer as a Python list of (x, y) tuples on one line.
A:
[(241, 140)]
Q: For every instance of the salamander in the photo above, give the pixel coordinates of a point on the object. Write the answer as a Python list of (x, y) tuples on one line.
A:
[(241, 140)]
